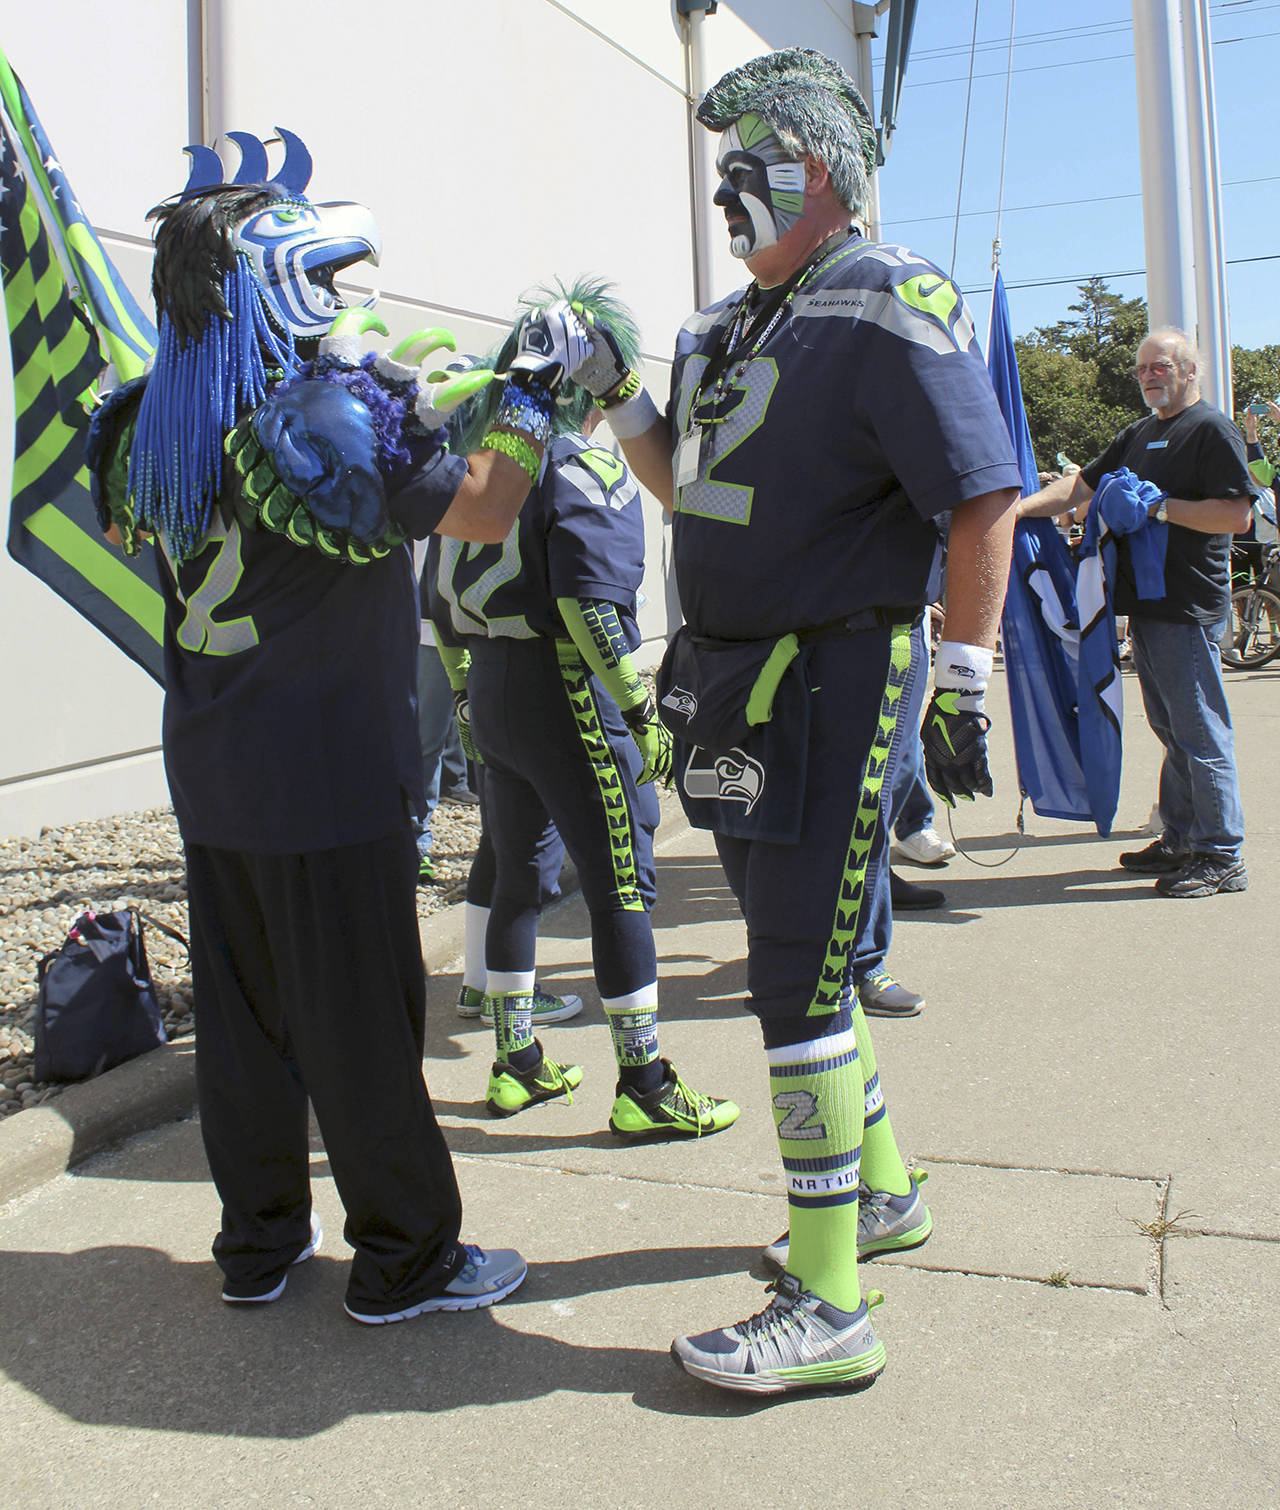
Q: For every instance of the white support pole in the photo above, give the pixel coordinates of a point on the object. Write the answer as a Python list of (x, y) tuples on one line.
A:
[(864, 28), (1163, 153), (1212, 330), (702, 170)]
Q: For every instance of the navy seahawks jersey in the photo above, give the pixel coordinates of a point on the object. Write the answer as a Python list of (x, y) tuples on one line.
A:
[(579, 534), (809, 490), (290, 722)]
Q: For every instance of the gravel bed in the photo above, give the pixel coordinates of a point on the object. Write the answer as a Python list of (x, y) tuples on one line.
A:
[(133, 860)]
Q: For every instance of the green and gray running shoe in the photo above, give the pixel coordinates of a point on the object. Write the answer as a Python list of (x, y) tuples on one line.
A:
[(798, 1341), (546, 1007), (673, 1110), (886, 1223), (512, 1090)]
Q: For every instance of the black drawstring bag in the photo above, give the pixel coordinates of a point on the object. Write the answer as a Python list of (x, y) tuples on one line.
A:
[(96, 1005)]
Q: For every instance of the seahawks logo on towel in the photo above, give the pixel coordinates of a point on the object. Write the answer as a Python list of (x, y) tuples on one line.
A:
[(734, 777), (681, 702)]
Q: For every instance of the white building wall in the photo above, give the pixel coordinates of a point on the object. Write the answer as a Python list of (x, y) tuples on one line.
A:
[(500, 145)]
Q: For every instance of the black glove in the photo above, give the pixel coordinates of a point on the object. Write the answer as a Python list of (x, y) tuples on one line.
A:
[(955, 748)]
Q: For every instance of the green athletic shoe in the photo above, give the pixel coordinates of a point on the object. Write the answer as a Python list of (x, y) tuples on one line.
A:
[(512, 1090), (673, 1110), (546, 1007)]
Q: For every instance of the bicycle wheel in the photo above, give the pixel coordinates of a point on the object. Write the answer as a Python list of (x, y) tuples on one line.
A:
[(1252, 637)]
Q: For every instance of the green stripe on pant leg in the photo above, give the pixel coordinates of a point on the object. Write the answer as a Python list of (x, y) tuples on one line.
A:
[(853, 882), (608, 774), (817, 1107)]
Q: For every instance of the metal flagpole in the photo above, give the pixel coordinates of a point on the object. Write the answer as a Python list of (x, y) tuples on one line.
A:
[(1163, 153), (1206, 208)]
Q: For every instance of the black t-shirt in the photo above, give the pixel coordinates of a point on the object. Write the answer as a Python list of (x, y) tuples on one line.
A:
[(1197, 454)]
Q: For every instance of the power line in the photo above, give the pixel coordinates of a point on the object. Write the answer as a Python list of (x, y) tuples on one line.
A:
[(1083, 32), (1060, 204), (1137, 272), (1111, 57)]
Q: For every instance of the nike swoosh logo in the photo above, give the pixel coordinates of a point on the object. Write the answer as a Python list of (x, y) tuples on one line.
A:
[(928, 293)]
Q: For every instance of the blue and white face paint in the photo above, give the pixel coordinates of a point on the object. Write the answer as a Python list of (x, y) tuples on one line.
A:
[(295, 248), (761, 186)]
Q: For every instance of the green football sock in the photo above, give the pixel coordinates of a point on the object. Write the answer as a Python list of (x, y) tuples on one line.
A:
[(633, 1026), (882, 1166), (817, 1105), (513, 1028)]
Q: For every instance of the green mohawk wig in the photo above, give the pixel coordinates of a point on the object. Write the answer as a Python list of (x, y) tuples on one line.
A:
[(811, 106), (573, 403)]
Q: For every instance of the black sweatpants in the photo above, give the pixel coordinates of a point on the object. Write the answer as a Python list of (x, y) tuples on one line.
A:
[(308, 982)]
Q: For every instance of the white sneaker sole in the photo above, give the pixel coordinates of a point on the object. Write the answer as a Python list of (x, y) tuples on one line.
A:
[(443, 1302), (317, 1237)]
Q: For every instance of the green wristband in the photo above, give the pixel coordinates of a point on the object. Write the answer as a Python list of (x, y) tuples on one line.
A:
[(517, 448)]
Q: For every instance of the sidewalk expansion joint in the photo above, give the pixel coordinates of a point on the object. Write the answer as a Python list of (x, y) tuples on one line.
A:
[(1141, 1291), (1239, 1237), (491, 1161), (1009, 1167)]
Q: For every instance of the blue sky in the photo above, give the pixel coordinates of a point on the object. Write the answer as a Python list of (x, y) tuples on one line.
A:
[(1072, 184)]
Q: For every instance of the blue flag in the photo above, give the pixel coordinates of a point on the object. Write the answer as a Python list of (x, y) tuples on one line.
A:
[(57, 347), (1040, 631)]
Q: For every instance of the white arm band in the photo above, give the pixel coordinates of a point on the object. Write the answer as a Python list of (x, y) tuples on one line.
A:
[(962, 668), (632, 417)]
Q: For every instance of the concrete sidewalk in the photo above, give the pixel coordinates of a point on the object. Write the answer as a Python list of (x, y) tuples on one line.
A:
[(1091, 1086)]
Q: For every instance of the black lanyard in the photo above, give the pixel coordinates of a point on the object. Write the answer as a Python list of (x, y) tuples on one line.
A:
[(739, 331)]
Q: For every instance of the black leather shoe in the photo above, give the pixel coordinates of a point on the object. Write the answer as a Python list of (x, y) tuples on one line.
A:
[(1157, 859), (906, 896)]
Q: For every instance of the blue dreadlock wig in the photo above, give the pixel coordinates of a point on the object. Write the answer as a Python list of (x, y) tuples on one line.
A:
[(814, 109), (220, 350), (573, 403)]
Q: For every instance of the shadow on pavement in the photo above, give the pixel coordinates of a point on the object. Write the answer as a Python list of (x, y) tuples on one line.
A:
[(1005, 890), (182, 1361)]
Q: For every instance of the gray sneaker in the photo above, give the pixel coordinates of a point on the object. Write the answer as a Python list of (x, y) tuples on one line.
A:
[(882, 996), (1205, 876), (546, 1007), (798, 1341), (486, 1277), (886, 1224)]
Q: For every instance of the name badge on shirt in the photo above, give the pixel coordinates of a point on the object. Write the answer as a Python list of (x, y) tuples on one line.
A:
[(688, 452), (1156, 445)]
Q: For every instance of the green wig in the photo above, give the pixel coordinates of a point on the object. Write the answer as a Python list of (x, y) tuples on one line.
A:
[(573, 403), (812, 107)]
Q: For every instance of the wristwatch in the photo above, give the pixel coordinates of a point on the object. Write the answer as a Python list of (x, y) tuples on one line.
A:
[(1161, 515)]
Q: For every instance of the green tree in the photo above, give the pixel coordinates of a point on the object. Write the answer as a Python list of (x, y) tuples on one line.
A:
[(1075, 374), (1255, 374), (1077, 382)]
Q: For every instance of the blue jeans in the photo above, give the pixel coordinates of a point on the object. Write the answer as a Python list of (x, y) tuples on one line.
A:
[(911, 804), (876, 924), (1181, 680), (443, 763)]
